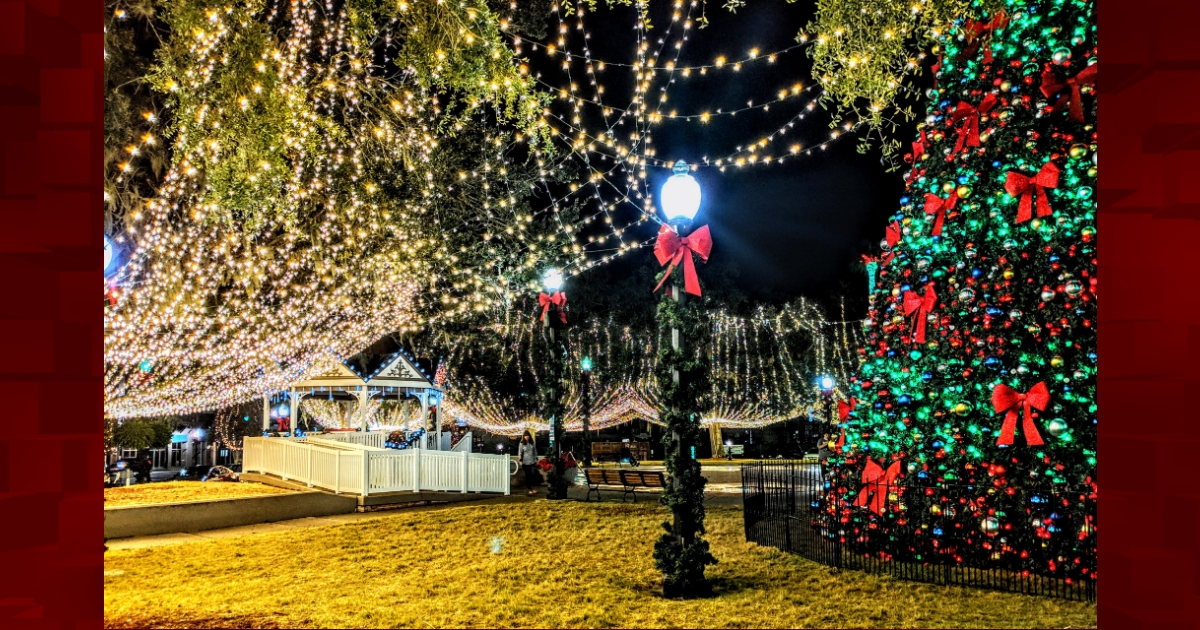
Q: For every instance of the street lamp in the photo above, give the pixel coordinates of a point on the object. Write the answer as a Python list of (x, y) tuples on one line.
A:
[(827, 384), (552, 280), (680, 196)]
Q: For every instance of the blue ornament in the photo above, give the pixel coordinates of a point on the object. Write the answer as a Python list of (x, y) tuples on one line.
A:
[(146, 365), (992, 362)]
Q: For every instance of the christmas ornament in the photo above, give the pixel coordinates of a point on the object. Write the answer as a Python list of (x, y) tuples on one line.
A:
[(1056, 427), (1020, 185), (968, 115), (1010, 402), (918, 307)]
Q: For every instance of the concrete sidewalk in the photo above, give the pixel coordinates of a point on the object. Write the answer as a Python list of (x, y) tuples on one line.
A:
[(717, 495)]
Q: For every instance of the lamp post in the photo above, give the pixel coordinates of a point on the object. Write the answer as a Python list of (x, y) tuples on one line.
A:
[(681, 553), (827, 384), (552, 281), (585, 383)]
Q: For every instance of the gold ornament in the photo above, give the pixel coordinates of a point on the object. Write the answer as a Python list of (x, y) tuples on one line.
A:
[(1077, 151), (962, 409), (948, 187), (964, 191)]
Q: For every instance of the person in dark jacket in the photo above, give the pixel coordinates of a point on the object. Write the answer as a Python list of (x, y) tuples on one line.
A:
[(527, 456)]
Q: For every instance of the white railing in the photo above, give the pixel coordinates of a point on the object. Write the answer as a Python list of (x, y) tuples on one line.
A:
[(321, 440), (359, 469), (464, 444), (340, 470), (373, 438)]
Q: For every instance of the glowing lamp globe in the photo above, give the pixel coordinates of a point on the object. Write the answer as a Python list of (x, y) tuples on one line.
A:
[(680, 197), (586, 364), (552, 280), (826, 382)]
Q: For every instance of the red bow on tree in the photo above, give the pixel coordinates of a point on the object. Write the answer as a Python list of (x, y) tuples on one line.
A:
[(1051, 84), (1009, 401), (893, 234), (937, 67), (845, 409), (558, 299), (841, 440), (876, 482), (935, 205), (1022, 186), (980, 32), (917, 307), (674, 248), (918, 147), (968, 114)]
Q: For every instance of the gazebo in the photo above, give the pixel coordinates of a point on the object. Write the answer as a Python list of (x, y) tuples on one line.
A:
[(395, 376)]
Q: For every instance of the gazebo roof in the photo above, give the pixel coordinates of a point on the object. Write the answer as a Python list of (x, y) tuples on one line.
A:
[(397, 370)]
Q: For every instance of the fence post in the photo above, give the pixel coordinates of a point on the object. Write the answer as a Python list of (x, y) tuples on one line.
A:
[(366, 472), (416, 470), (464, 472), (310, 452), (337, 472), (283, 469)]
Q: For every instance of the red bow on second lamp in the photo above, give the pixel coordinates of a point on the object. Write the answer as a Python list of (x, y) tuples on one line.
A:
[(1009, 401), (877, 483), (845, 409), (968, 114), (937, 206), (1051, 84), (673, 248), (918, 306), (559, 299), (1019, 185)]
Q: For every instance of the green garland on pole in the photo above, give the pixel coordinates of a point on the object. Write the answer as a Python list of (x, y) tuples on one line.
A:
[(681, 553), (554, 358)]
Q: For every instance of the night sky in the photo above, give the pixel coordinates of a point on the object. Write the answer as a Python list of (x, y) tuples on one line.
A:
[(790, 230)]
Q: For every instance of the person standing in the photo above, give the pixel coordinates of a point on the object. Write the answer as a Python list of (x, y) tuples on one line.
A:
[(527, 456)]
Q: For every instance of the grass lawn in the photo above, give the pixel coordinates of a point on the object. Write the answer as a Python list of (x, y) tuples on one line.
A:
[(179, 491), (561, 565)]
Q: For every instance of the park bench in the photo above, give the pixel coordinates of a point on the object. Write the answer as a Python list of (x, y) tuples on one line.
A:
[(633, 480), (597, 477)]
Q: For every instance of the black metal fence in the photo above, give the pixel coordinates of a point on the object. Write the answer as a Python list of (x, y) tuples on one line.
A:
[(936, 533)]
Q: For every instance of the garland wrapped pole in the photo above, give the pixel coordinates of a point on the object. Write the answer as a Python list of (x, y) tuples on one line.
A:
[(556, 356), (681, 553)]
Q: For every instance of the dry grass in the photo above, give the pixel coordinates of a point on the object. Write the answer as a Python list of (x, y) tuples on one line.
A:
[(180, 491), (561, 565)]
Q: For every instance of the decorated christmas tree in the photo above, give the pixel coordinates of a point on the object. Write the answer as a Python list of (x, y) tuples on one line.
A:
[(971, 435)]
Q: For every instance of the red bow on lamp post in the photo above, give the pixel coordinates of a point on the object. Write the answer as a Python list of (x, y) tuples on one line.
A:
[(979, 33), (1009, 401), (937, 206), (845, 409), (558, 299), (674, 248), (876, 482), (1051, 84), (968, 115), (1019, 185), (917, 307)]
